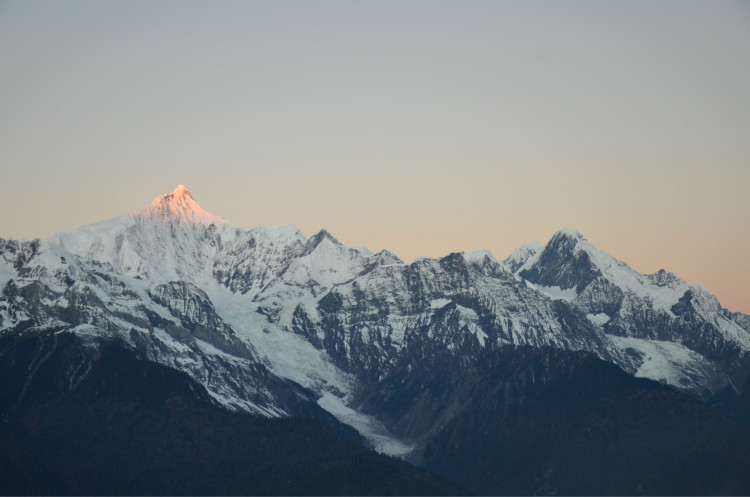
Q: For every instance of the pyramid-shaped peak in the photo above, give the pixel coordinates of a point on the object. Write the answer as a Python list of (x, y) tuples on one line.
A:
[(179, 206), (181, 191), (569, 233), (567, 240), (324, 235), (317, 240)]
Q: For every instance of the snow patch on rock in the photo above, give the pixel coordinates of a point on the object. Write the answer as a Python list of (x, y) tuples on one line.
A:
[(599, 319)]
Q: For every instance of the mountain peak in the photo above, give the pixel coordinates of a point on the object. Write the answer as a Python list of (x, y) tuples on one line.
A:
[(180, 191), (478, 256), (565, 262), (179, 206), (324, 235), (568, 241), (569, 233), (317, 239), (523, 256)]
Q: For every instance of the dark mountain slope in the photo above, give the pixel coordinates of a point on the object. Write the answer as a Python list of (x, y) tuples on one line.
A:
[(526, 421), (132, 427), (733, 404)]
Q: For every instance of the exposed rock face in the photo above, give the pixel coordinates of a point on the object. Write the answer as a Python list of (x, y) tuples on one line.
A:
[(695, 342), (562, 264), (193, 309)]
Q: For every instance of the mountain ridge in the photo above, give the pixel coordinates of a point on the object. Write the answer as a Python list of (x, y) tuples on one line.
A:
[(250, 312)]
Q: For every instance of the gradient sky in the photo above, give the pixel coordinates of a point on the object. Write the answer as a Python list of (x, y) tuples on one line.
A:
[(423, 127)]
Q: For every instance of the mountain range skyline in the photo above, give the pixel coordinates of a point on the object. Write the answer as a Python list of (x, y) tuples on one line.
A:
[(194, 209), (424, 129)]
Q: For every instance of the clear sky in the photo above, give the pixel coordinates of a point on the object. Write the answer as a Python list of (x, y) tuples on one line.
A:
[(423, 127)]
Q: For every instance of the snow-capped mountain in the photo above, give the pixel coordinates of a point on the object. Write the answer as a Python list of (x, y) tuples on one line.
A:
[(675, 333), (274, 324)]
